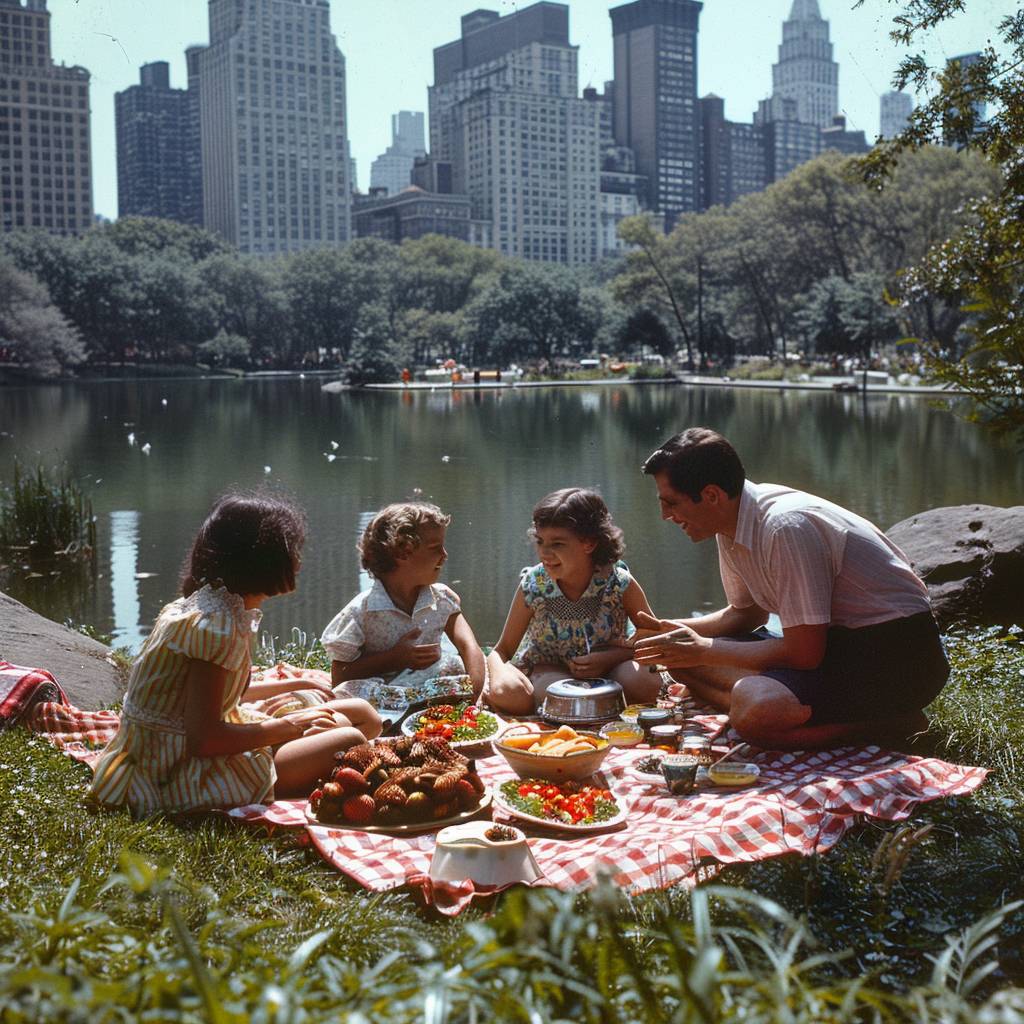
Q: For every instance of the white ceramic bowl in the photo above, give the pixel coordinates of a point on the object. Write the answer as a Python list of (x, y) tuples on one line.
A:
[(464, 851)]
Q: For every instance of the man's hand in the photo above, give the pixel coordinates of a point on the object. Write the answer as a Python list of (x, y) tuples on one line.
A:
[(679, 647)]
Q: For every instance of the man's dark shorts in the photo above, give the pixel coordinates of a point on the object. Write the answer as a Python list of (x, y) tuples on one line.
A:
[(892, 668)]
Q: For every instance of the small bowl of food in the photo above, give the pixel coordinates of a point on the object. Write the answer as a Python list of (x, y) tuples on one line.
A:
[(733, 774), (552, 754), (622, 733)]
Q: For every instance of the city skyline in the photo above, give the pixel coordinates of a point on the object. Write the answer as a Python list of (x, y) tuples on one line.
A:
[(112, 38)]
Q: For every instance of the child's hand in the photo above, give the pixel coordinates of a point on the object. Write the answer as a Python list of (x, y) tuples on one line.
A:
[(411, 655), (594, 665)]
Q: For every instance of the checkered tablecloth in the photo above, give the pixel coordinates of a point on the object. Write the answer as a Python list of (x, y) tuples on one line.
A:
[(803, 803)]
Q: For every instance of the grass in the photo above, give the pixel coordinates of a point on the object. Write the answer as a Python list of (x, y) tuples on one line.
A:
[(45, 514), (104, 918)]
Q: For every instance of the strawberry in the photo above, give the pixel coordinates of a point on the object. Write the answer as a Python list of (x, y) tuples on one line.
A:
[(332, 791), (350, 781), (465, 795), (359, 810)]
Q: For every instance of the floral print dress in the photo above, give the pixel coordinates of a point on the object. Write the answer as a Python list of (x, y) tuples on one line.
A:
[(562, 629)]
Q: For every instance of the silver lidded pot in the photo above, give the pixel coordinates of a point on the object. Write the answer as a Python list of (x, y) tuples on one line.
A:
[(582, 701)]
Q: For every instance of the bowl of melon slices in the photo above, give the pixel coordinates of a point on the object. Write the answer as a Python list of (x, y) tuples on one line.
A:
[(554, 754)]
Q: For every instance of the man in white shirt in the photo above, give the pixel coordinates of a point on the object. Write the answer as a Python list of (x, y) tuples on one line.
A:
[(860, 654)]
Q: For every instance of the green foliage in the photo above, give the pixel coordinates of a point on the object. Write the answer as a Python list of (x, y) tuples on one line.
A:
[(226, 350), (374, 358), (46, 514), (847, 315), (35, 332), (978, 266)]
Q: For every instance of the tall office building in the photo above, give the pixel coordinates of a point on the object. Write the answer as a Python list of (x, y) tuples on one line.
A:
[(734, 155), (156, 174), (894, 110), (45, 162), (392, 168), (952, 134), (805, 71), (525, 148), (272, 119), (655, 110)]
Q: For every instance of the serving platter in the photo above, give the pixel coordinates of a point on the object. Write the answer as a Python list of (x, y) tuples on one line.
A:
[(501, 804), (409, 828), (411, 726)]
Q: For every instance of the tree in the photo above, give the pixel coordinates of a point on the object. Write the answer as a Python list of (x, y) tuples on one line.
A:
[(531, 312), (646, 329), (225, 349), (33, 330), (373, 359), (981, 265)]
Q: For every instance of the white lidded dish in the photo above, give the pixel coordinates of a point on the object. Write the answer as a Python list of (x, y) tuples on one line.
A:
[(465, 851)]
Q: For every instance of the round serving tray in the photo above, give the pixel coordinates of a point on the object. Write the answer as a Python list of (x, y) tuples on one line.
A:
[(409, 828), (598, 826)]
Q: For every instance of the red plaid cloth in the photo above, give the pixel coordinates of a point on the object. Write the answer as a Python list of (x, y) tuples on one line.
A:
[(803, 803), (21, 687)]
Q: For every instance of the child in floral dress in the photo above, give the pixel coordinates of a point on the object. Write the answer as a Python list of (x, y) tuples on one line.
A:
[(570, 614)]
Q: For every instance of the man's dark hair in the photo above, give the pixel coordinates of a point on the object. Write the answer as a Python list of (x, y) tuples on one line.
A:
[(695, 458), (249, 543)]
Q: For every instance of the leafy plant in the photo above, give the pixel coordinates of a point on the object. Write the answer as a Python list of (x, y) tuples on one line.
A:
[(46, 515)]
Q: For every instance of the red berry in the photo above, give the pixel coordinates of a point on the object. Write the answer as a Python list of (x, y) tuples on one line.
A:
[(465, 795), (350, 781), (332, 790), (359, 810)]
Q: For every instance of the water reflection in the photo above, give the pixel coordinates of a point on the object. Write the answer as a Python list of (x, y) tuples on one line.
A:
[(129, 631), (883, 457)]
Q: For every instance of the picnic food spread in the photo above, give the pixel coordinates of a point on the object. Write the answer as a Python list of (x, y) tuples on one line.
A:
[(457, 723), (397, 782), (567, 803)]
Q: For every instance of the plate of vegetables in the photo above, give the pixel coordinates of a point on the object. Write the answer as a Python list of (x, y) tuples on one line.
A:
[(463, 725), (569, 805)]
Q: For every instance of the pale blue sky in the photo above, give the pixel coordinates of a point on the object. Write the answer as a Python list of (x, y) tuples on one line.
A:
[(388, 43)]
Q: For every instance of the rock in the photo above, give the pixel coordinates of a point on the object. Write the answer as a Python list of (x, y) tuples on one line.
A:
[(972, 558), (81, 665)]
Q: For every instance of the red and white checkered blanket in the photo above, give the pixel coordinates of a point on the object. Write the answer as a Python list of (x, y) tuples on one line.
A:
[(803, 803)]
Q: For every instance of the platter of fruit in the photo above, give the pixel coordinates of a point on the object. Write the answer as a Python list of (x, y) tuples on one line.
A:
[(398, 785), (567, 805), (463, 725)]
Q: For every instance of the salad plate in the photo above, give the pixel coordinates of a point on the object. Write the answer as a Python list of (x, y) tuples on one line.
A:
[(465, 726), (538, 808)]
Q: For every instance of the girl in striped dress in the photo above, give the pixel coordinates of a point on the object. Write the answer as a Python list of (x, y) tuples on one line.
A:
[(187, 742)]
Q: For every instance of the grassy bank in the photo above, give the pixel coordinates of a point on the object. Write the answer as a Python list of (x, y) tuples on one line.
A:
[(104, 918)]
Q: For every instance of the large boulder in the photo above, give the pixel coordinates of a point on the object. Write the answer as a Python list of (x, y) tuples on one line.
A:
[(82, 666), (972, 558)]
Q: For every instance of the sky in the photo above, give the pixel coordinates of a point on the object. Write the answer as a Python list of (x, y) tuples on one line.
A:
[(388, 50)]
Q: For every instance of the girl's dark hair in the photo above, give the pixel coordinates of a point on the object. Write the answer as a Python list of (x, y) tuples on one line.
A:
[(584, 512), (249, 543), (395, 531)]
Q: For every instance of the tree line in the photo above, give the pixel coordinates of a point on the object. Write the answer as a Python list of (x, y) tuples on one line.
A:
[(814, 263)]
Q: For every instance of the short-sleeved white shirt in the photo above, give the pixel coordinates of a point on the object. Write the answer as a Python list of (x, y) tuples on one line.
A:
[(371, 622), (812, 562)]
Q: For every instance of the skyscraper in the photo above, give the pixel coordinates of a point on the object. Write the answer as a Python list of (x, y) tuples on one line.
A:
[(655, 99), (894, 109), (958, 135), (392, 168), (735, 159), (45, 162), (805, 71), (272, 115), (523, 145), (157, 176)]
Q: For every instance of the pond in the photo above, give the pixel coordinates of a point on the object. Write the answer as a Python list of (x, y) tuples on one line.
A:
[(484, 456)]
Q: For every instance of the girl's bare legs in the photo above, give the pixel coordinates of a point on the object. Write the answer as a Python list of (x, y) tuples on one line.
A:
[(639, 685), (302, 762)]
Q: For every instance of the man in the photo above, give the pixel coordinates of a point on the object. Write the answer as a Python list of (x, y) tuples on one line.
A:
[(860, 653)]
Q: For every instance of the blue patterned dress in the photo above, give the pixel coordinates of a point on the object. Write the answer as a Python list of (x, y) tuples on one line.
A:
[(562, 629)]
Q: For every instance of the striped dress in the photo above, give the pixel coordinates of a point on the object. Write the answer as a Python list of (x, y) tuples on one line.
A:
[(146, 766)]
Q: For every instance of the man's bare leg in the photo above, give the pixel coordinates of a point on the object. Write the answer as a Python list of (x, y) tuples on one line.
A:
[(709, 684), (769, 715)]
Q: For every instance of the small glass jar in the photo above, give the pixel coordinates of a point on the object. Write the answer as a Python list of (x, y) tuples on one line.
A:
[(650, 717), (666, 737), (698, 747)]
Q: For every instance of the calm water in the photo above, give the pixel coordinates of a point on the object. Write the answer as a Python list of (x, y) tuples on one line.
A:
[(485, 457)]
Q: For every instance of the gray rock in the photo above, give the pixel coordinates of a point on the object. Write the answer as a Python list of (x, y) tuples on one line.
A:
[(972, 558), (81, 665)]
